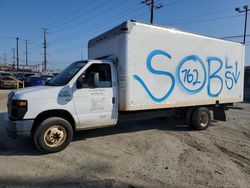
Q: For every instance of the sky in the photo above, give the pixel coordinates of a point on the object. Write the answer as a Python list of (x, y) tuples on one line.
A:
[(70, 24)]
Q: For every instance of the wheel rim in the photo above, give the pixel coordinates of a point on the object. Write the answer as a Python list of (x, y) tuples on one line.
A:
[(204, 118), (55, 136)]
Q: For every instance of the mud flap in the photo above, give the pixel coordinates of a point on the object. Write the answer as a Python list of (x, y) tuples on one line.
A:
[(219, 113)]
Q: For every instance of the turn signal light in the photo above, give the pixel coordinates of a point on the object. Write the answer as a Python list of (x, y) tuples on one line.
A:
[(22, 103)]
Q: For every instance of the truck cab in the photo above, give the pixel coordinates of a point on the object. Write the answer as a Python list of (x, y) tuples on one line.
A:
[(83, 96)]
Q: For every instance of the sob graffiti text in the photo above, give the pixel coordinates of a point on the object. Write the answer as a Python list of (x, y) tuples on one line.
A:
[(192, 75)]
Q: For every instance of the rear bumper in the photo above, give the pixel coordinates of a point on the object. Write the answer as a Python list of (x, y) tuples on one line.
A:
[(19, 128)]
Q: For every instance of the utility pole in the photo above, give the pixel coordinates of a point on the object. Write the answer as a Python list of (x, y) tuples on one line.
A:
[(152, 6), (26, 52), (13, 63), (17, 57), (245, 9), (45, 46)]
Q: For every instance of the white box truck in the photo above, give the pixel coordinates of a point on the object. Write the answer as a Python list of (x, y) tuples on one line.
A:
[(134, 71)]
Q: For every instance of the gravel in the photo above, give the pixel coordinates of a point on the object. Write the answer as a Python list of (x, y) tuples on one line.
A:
[(161, 152)]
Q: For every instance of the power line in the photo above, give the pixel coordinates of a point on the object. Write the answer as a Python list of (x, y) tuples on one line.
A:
[(234, 36), (5, 37), (79, 16), (66, 49), (87, 20), (100, 23), (164, 5), (152, 6), (78, 34), (220, 11), (66, 17), (207, 20), (172, 3), (32, 35)]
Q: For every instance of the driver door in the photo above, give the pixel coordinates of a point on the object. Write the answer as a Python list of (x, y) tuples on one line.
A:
[(96, 106)]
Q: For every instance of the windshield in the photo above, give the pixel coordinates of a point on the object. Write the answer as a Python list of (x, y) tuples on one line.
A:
[(67, 74)]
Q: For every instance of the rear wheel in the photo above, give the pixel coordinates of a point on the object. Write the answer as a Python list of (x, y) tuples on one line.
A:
[(201, 118), (53, 135), (188, 117)]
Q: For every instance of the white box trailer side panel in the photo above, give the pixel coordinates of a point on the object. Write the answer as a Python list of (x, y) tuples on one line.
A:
[(171, 68), (162, 68)]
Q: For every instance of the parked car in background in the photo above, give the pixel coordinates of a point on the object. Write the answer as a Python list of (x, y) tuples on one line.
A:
[(5, 74), (27, 75), (18, 75), (8, 82), (46, 77), (34, 81)]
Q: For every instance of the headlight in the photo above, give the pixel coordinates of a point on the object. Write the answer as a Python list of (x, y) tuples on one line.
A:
[(17, 109)]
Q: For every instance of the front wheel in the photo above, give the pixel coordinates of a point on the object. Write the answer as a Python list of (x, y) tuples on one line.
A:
[(201, 118), (53, 135)]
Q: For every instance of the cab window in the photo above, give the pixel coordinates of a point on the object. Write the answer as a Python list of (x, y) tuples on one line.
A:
[(104, 72)]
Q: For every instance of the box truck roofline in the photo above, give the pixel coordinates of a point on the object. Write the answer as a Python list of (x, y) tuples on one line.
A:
[(128, 25)]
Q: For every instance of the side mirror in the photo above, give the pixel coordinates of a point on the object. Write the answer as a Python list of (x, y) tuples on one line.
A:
[(79, 82), (93, 79)]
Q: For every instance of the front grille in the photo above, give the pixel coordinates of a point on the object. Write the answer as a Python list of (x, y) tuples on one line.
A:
[(14, 109), (9, 106)]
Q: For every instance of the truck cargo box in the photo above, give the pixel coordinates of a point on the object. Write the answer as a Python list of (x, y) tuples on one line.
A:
[(160, 67)]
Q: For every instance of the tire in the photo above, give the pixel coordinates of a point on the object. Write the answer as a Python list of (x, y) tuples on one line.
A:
[(53, 135), (201, 118), (188, 117)]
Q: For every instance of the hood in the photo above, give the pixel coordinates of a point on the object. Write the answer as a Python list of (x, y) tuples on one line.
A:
[(41, 92)]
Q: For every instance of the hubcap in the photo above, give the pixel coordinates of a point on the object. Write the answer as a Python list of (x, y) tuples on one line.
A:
[(204, 119), (55, 136)]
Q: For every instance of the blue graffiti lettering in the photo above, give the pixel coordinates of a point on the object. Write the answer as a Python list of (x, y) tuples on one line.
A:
[(191, 77), (214, 75), (231, 76), (157, 72), (237, 74)]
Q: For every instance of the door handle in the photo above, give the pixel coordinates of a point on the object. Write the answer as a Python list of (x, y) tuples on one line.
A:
[(113, 100)]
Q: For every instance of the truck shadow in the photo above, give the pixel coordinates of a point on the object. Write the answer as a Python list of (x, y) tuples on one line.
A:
[(15, 181), (164, 124), (10, 147), (20, 147)]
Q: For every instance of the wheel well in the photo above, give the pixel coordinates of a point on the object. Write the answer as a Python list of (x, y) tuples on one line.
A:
[(53, 113)]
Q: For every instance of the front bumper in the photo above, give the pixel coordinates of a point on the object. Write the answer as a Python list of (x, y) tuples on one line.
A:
[(20, 128)]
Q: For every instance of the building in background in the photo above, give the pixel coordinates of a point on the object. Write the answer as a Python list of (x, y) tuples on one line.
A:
[(6, 67), (32, 68), (29, 68)]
